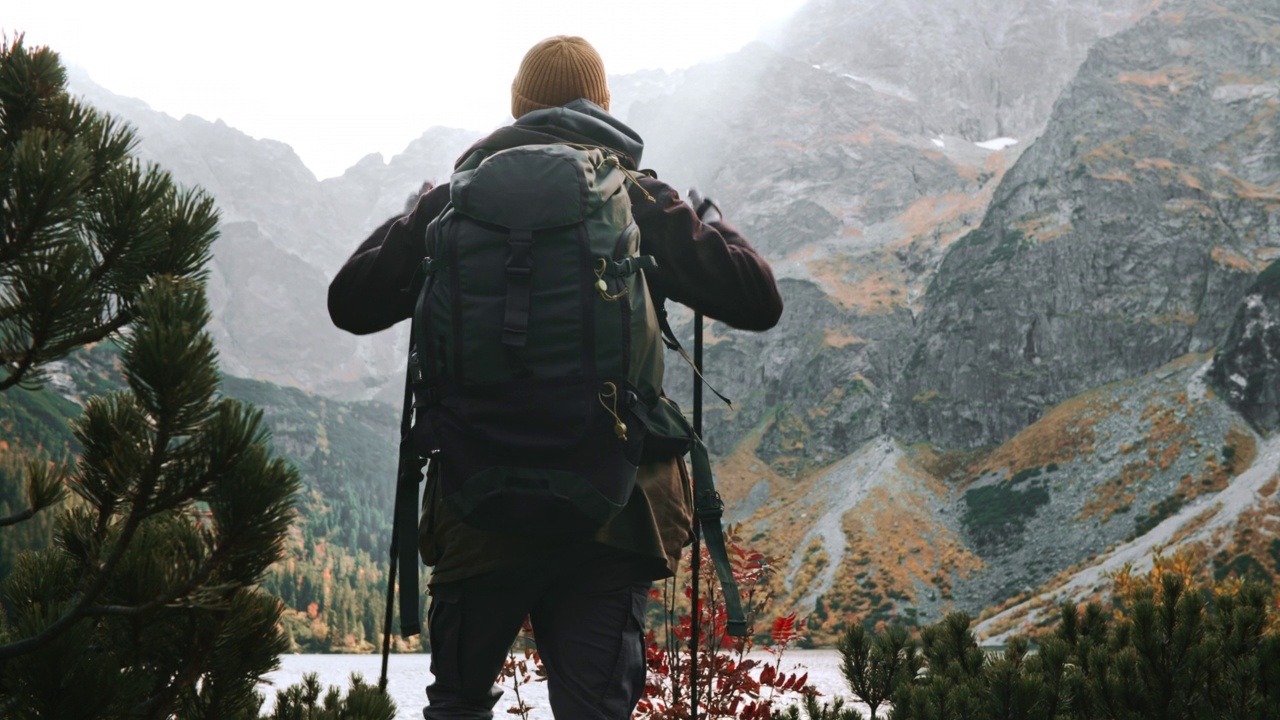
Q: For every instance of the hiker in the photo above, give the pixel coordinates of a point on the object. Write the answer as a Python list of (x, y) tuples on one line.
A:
[(585, 597)]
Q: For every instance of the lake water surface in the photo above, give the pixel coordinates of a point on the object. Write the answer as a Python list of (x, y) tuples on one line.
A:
[(407, 676)]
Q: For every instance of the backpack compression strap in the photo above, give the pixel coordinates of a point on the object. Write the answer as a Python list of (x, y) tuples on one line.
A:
[(710, 509), (515, 322)]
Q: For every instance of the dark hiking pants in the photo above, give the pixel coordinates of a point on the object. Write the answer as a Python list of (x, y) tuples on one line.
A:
[(589, 626)]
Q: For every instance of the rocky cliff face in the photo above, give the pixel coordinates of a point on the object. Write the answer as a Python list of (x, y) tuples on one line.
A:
[(847, 151), (1247, 368), (1124, 237)]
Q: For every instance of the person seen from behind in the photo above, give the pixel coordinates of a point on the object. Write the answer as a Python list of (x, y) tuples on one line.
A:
[(584, 596)]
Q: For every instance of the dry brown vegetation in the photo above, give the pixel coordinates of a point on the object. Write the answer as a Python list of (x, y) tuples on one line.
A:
[(1065, 432), (1269, 489), (813, 562), (1269, 195), (868, 135), (1043, 227), (1170, 78), (1112, 176), (894, 548), (1117, 494), (944, 216), (951, 466), (740, 470), (856, 286), (840, 337)]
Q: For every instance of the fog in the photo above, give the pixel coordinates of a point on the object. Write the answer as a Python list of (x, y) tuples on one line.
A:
[(366, 78)]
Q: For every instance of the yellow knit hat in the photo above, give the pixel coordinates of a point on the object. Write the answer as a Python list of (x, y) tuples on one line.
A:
[(558, 70)]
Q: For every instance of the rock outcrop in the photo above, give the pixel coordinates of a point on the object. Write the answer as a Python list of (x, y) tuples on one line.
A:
[(1247, 368), (1125, 237)]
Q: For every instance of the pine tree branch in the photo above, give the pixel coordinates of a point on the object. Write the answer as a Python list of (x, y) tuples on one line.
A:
[(20, 517), (161, 706), (213, 562), (37, 355), (80, 610), (87, 596), (193, 583)]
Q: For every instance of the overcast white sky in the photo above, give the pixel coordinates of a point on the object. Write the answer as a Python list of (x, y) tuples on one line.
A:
[(339, 81)]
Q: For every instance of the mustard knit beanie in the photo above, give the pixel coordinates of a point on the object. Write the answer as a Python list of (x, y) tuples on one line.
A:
[(558, 70)]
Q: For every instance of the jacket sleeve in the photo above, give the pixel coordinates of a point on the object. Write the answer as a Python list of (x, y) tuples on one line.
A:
[(371, 291), (708, 267)]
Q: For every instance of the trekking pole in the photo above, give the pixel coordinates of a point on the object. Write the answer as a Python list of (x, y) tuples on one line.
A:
[(386, 623), (696, 564), (406, 422)]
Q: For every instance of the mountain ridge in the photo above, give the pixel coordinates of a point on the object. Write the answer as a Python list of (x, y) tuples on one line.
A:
[(992, 367)]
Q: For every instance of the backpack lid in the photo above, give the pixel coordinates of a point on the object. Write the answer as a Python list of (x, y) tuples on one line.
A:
[(527, 187)]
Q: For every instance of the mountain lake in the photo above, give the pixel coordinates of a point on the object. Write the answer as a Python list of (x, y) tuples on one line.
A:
[(407, 676)]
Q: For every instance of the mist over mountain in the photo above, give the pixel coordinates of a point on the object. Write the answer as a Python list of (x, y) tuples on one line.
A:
[(1004, 367), (978, 69)]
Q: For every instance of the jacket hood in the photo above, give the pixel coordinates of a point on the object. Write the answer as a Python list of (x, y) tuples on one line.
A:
[(588, 119), (580, 121)]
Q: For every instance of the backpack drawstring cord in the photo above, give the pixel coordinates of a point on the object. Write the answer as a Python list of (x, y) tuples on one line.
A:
[(602, 287), (613, 160), (619, 427)]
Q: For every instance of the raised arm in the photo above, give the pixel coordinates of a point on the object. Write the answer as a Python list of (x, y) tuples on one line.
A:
[(709, 267), (371, 291)]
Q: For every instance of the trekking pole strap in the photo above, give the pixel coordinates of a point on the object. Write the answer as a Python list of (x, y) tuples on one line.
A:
[(669, 339), (406, 530), (710, 510), (404, 515)]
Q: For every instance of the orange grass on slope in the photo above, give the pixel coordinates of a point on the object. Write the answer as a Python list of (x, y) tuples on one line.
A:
[(854, 286), (1063, 433), (895, 547)]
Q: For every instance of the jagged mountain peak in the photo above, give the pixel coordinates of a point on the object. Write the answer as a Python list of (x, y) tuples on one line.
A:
[(980, 68)]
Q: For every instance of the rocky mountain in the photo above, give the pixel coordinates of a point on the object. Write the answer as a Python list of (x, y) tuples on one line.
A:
[(1139, 218), (963, 410), (1020, 246), (284, 234), (1056, 382)]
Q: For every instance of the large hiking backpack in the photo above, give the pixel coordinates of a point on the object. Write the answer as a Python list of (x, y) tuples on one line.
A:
[(535, 363), (536, 355)]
